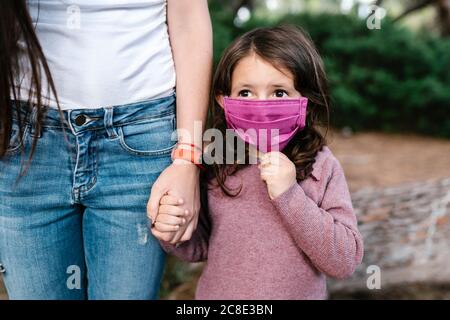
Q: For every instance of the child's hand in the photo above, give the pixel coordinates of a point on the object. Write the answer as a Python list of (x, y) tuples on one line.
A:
[(278, 172), (170, 215)]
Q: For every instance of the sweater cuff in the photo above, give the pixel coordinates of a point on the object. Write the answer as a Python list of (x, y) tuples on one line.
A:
[(167, 246)]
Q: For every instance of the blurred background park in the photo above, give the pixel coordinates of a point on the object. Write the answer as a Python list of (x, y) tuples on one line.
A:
[(388, 64)]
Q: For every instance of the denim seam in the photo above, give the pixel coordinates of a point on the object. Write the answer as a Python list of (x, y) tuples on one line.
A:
[(159, 117), (93, 152), (75, 171), (22, 139), (159, 152)]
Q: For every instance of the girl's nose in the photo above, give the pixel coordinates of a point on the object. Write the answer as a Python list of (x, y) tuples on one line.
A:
[(262, 96)]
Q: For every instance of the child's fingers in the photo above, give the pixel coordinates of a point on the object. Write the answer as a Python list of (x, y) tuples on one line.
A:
[(171, 200), (268, 170), (268, 173), (265, 177), (267, 162), (172, 210), (170, 219), (273, 158), (164, 236), (162, 227), (263, 159), (265, 165)]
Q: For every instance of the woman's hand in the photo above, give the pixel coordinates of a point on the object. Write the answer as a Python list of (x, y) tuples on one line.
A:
[(278, 172), (179, 180)]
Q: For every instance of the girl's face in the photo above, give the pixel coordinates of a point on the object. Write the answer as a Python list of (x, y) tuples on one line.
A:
[(255, 78)]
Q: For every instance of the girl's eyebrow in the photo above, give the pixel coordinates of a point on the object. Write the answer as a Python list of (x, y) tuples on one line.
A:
[(280, 85), (246, 85)]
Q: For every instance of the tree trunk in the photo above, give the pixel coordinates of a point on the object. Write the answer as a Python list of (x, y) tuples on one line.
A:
[(406, 233), (444, 16)]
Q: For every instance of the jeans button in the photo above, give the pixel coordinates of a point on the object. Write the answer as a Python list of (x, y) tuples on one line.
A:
[(80, 120)]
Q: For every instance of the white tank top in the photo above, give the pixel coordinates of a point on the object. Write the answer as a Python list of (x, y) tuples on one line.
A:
[(104, 52)]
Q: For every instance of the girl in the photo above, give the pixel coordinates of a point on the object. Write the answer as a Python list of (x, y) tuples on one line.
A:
[(274, 230)]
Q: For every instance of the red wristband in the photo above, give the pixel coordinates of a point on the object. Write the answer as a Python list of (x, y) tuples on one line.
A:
[(191, 145), (188, 155)]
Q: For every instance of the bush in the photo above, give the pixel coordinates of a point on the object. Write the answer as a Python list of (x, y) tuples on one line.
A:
[(389, 79)]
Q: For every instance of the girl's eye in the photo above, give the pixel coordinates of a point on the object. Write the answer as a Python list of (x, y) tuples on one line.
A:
[(280, 93), (244, 93)]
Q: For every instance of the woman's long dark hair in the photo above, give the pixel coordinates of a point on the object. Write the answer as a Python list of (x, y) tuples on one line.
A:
[(16, 27), (289, 48)]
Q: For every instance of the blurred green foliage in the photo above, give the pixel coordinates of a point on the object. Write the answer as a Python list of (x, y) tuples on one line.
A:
[(389, 79)]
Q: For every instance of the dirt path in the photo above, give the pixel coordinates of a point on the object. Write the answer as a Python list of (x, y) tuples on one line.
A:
[(379, 160)]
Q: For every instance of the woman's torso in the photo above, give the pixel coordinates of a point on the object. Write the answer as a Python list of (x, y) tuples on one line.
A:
[(104, 52)]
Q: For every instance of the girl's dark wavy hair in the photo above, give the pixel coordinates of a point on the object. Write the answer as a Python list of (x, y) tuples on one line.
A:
[(287, 48)]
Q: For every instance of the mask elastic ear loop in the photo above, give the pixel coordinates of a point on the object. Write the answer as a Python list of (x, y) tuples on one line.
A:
[(302, 116)]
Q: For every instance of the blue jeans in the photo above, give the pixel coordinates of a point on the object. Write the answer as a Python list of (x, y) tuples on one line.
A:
[(75, 226)]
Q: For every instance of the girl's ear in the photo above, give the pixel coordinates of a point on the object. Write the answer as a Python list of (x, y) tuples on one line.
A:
[(219, 99)]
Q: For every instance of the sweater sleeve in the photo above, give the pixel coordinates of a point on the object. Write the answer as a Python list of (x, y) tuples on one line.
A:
[(326, 233), (195, 249)]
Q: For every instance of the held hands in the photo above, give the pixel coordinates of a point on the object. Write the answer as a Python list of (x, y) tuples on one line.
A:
[(278, 172), (174, 223), (171, 216), (187, 188)]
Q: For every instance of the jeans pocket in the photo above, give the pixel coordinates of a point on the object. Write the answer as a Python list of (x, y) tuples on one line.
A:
[(149, 137), (17, 139)]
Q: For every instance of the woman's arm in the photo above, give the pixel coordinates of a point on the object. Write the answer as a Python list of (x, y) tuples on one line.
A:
[(190, 34), (328, 233)]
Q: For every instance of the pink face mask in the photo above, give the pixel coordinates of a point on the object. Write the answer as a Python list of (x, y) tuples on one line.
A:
[(267, 124)]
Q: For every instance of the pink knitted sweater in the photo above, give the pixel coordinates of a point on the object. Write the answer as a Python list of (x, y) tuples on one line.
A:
[(258, 248)]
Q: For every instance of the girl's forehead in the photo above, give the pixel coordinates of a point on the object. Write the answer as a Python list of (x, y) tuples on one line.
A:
[(256, 69)]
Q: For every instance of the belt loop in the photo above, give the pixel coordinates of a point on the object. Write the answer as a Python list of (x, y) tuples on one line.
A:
[(35, 132), (108, 121)]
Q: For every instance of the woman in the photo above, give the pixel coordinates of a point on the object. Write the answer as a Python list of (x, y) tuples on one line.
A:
[(87, 94)]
